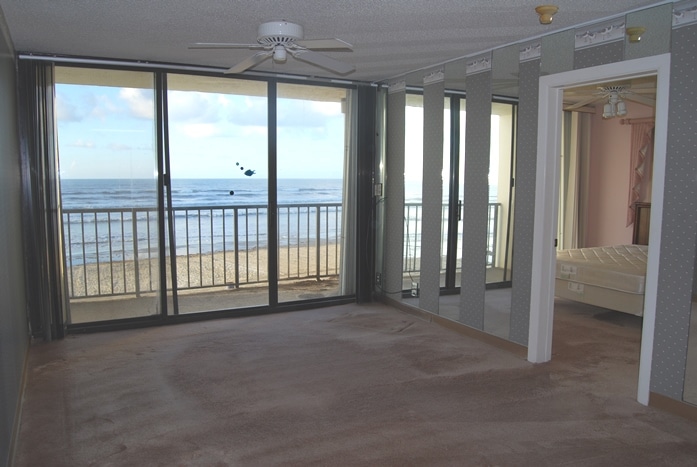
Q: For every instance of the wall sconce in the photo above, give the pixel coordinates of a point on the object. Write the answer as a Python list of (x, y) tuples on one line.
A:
[(546, 13), (635, 33)]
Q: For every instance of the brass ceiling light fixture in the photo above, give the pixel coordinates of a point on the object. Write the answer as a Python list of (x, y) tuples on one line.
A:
[(635, 33), (546, 13)]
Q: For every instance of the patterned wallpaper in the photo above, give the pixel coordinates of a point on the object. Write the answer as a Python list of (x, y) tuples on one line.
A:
[(475, 199), (524, 213), (679, 220), (557, 52), (394, 195), (432, 197), (599, 55), (656, 39)]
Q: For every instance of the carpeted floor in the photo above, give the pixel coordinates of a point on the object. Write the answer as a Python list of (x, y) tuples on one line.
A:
[(347, 385)]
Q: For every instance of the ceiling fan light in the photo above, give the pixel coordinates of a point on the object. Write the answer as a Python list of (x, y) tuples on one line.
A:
[(608, 110), (280, 54), (621, 109)]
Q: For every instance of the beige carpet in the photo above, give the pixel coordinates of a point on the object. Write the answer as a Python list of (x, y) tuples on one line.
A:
[(348, 385)]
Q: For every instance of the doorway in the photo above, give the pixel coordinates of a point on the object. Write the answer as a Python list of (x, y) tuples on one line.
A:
[(547, 198)]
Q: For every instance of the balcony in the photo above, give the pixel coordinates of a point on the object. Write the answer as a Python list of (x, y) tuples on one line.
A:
[(112, 260)]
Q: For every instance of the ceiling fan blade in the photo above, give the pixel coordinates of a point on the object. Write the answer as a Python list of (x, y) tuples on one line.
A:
[(646, 85), (588, 110), (640, 99), (318, 44), (322, 61), (249, 62), (634, 90), (582, 103), (223, 45)]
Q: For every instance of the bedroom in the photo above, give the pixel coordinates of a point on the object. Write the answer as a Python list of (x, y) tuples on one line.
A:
[(605, 193), (601, 217)]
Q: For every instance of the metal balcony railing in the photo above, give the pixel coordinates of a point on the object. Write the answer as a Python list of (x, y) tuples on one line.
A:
[(114, 251), (412, 236)]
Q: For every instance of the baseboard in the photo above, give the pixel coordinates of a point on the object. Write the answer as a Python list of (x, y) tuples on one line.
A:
[(673, 406), (460, 328), (14, 437)]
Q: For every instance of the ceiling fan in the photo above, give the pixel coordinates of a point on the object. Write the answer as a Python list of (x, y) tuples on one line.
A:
[(277, 39), (613, 94)]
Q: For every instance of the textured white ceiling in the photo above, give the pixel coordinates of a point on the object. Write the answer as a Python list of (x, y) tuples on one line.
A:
[(390, 37)]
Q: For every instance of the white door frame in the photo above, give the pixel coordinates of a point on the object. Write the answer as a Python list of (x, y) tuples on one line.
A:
[(547, 198)]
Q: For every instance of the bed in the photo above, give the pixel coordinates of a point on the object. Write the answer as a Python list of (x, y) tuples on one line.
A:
[(608, 276)]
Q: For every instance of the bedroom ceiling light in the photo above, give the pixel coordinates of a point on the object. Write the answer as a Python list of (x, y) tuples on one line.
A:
[(615, 106), (546, 13)]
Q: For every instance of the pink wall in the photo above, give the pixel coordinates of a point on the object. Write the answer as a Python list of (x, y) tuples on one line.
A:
[(609, 178)]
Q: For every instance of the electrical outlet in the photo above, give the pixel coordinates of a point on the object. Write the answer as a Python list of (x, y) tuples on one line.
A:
[(414, 289), (378, 278)]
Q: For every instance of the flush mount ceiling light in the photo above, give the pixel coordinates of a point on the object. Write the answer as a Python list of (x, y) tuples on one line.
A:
[(635, 33), (546, 13)]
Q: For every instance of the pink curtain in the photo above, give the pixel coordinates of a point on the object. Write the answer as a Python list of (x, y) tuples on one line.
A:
[(642, 152)]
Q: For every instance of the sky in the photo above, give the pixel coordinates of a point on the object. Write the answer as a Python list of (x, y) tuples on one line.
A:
[(109, 132)]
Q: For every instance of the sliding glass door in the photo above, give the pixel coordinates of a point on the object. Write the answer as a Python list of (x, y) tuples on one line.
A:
[(316, 212), (217, 155), (108, 164), (219, 210)]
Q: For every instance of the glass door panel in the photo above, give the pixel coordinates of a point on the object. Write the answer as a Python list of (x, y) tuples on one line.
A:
[(108, 165), (500, 220), (461, 187), (446, 245), (218, 151), (499, 228), (413, 185), (454, 160), (315, 208)]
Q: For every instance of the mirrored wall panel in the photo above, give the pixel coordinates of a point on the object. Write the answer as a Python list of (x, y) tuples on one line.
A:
[(499, 250)]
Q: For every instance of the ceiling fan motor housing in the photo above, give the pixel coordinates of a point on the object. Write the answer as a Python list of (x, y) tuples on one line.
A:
[(279, 32)]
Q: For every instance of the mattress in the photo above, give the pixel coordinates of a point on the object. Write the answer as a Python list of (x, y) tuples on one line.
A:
[(599, 296), (619, 267)]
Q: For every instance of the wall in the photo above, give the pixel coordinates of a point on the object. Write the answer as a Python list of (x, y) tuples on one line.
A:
[(679, 233), (13, 324), (678, 239), (610, 157)]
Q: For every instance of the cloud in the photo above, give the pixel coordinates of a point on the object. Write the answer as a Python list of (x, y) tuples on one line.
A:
[(140, 103), (193, 107), (332, 109), (119, 147), (247, 111), (82, 144), (99, 105), (199, 130), (66, 111), (306, 114), (200, 108)]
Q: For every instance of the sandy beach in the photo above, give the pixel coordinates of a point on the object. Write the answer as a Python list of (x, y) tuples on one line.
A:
[(196, 271)]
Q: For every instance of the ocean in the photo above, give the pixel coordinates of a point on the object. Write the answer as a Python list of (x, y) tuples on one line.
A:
[(141, 193), (102, 217)]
